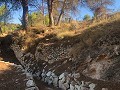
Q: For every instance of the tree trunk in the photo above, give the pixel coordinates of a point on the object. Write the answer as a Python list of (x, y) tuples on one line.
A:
[(59, 18), (43, 12), (25, 14), (50, 11), (61, 14)]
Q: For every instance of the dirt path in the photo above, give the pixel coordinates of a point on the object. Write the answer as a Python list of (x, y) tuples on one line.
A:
[(11, 77)]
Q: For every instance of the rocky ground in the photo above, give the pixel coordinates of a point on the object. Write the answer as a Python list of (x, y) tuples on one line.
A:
[(89, 60), (13, 76)]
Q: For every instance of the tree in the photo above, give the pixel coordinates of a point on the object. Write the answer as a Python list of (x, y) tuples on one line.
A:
[(50, 12), (61, 12), (64, 7), (36, 18), (87, 17), (24, 4), (5, 14), (99, 7), (15, 5)]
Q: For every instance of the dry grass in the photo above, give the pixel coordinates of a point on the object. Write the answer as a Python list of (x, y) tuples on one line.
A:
[(65, 34), (88, 32)]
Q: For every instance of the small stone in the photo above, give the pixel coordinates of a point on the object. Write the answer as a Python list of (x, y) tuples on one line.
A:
[(61, 76), (46, 79), (76, 75), (53, 74), (66, 85), (29, 76), (49, 73), (77, 87), (87, 83), (92, 86), (72, 87), (60, 84), (55, 81), (50, 81), (43, 74), (37, 74), (30, 83)]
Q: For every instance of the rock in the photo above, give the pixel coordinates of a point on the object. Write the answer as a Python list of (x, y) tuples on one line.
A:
[(72, 87), (49, 73), (63, 79), (37, 74), (30, 83), (61, 76), (92, 86), (53, 74), (116, 47), (43, 74), (55, 81), (66, 85), (82, 83), (50, 81), (29, 76), (43, 79), (60, 83), (76, 75), (46, 79), (77, 87), (87, 83)]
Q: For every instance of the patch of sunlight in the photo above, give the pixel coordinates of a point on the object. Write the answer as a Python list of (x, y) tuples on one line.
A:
[(4, 66), (65, 34)]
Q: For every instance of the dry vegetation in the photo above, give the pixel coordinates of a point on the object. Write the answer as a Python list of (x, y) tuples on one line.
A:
[(87, 32)]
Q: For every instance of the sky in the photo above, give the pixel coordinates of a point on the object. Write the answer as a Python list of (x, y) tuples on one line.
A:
[(79, 16)]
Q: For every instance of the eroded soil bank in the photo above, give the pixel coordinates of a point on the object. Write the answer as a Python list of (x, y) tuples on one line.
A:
[(12, 74), (87, 60)]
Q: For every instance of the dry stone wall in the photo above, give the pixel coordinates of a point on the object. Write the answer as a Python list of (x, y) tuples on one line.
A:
[(55, 65), (65, 80)]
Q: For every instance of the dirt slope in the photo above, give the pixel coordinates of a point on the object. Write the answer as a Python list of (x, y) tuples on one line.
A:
[(94, 54)]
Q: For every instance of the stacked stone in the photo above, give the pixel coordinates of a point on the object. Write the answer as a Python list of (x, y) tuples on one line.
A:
[(51, 54), (30, 82), (65, 82)]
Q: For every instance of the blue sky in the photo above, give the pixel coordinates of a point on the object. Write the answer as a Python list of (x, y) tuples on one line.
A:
[(83, 11)]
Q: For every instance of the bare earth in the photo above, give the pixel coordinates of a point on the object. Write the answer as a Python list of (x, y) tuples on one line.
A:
[(11, 77)]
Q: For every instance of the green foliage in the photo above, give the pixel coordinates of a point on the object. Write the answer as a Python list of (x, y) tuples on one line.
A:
[(8, 27), (47, 20), (37, 18), (2, 10), (87, 17), (4, 14)]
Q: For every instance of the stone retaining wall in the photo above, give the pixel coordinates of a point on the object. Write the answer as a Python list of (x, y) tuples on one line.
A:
[(65, 80)]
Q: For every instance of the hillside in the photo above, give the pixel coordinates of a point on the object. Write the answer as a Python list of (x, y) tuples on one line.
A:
[(84, 60)]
